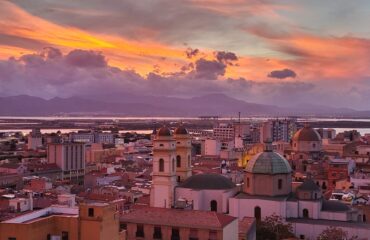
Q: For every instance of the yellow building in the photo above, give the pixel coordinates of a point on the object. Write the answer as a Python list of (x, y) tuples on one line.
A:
[(92, 221), (247, 155)]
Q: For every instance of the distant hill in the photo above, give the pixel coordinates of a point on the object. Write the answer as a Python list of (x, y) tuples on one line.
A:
[(131, 105)]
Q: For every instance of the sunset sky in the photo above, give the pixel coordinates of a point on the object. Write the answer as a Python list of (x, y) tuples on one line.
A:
[(283, 52)]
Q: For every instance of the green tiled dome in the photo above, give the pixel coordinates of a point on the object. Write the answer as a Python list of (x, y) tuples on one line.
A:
[(268, 162)]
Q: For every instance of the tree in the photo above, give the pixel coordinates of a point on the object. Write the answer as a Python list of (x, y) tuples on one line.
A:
[(333, 233), (273, 228)]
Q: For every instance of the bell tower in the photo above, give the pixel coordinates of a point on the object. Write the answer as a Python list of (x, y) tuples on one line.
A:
[(164, 169), (183, 153)]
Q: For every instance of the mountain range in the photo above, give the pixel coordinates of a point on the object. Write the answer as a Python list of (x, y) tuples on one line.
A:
[(133, 105)]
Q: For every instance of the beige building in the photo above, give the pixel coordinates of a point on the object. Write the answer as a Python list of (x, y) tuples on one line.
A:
[(70, 157), (167, 224), (94, 221)]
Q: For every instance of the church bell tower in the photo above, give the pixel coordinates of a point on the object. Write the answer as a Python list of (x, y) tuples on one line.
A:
[(164, 169)]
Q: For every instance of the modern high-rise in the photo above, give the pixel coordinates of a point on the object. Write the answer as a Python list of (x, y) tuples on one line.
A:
[(70, 157), (278, 130), (34, 139)]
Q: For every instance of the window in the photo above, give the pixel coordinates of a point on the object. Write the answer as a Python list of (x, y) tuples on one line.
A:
[(248, 182), (301, 236), (212, 235), (48, 237), (257, 213), (280, 184), (12, 238), (178, 161), (139, 230), (173, 165), (305, 213), (65, 236), (122, 226), (175, 234), (214, 205), (161, 165), (193, 234), (314, 145), (157, 232), (91, 212), (161, 145)]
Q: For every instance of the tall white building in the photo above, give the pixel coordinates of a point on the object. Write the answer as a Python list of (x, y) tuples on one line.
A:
[(92, 137), (278, 130), (34, 139)]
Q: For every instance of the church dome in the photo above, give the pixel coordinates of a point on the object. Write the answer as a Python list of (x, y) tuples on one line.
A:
[(181, 130), (268, 162), (307, 134), (164, 132), (208, 181)]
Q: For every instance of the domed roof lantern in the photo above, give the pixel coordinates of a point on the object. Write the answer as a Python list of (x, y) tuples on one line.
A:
[(268, 145), (181, 130), (164, 132)]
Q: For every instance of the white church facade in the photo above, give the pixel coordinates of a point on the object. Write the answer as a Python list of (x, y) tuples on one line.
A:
[(267, 190)]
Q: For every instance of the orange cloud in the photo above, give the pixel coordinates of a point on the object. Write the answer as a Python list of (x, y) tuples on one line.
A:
[(121, 52), (319, 57)]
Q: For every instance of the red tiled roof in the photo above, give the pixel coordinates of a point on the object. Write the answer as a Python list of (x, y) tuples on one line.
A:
[(177, 217)]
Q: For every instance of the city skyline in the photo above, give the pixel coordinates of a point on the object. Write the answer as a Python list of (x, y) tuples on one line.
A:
[(280, 52)]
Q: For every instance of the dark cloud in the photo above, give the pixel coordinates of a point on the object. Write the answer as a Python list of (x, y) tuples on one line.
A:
[(49, 74), (83, 58), (191, 52), (226, 57), (209, 70), (281, 74)]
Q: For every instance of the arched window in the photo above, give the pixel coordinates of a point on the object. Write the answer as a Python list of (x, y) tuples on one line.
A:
[(214, 205), (280, 184), (178, 161), (305, 213), (257, 213), (161, 165)]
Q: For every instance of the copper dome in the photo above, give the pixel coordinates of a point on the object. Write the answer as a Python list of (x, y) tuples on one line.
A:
[(181, 130), (164, 132), (307, 134)]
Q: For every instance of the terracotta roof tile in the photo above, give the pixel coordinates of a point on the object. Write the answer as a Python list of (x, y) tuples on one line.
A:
[(177, 217)]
